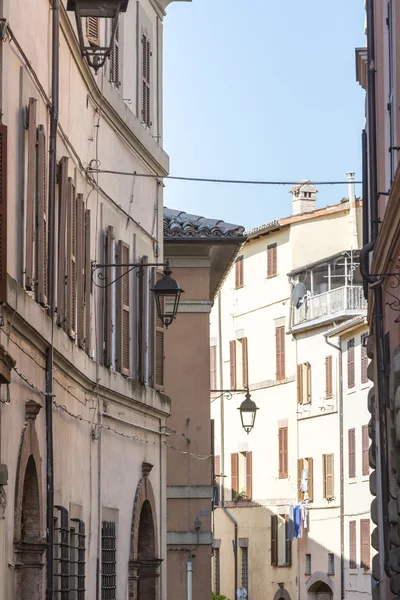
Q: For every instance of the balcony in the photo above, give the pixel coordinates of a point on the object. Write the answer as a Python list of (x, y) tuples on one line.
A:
[(340, 302)]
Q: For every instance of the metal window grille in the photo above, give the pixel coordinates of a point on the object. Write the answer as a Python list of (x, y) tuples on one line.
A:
[(61, 554), (77, 560), (108, 561), (331, 564), (217, 572), (245, 568)]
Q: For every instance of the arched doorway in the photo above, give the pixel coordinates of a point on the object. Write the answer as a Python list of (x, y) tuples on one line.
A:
[(282, 594), (146, 555), (319, 587)]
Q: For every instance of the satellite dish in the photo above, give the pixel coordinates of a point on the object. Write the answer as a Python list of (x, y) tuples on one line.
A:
[(299, 292), (241, 593)]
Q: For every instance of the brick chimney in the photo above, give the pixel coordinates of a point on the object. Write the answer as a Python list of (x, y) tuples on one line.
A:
[(304, 196)]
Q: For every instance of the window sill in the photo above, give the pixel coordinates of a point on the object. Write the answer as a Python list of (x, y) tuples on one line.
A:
[(352, 480), (351, 390), (271, 276)]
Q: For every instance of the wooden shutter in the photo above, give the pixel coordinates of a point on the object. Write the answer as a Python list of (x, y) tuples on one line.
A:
[(350, 364), (249, 475), (307, 368), (217, 468), (234, 475), (160, 332), (142, 326), (352, 453), (272, 260), (365, 544), (41, 246), (80, 269), (30, 196), (274, 540), (280, 352), (365, 450), (123, 310), (283, 452), (364, 359), (146, 81), (328, 463), (328, 377), (310, 479), (88, 282), (93, 30), (245, 363), (299, 384), (300, 467), (108, 323), (3, 213), (353, 544), (115, 56), (239, 275), (71, 258), (288, 562), (232, 358), (213, 368), (62, 236)]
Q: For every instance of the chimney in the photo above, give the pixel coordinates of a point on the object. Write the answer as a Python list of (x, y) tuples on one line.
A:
[(304, 196)]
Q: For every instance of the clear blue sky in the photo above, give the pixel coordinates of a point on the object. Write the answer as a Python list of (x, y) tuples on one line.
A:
[(260, 90)]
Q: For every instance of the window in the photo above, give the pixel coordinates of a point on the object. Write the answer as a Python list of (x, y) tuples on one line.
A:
[(352, 453), (30, 195), (245, 568), (217, 571), (146, 80), (365, 450), (238, 358), (328, 471), (350, 364), (364, 359), (108, 561), (280, 352), (283, 452), (213, 368), (115, 55), (281, 545), (272, 260), (123, 311), (69, 556), (328, 377), (308, 565), (304, 383), (77, 560), (242, 475), (232, 359), (239, 279), (331, 564), (234, 475), (365, 544), (245, 362), (305, 479), (352, 542)]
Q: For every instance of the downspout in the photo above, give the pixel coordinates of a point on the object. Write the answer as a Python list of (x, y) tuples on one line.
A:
[(341, 463), (51, 267), (353, 214), (189, 578)]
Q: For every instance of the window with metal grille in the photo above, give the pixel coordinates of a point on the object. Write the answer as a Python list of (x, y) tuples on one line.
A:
[(245, 568), (108, 561), (61, 556), (331, 564), (77, 560), (217, 572)]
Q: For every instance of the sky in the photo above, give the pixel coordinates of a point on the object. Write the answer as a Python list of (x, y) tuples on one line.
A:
[(260, 90)]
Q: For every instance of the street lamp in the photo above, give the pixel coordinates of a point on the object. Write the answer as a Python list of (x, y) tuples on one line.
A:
[(96, 55), (248, 411)]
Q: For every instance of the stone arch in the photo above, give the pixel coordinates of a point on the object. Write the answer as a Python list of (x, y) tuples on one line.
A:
[(144, 561), (29, 544), (318, 578), (282, 594)]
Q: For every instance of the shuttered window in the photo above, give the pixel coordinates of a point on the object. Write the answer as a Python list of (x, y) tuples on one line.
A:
[(217, 467), (217, 479), (245, 363), (352, 452), (239, 273), (310, 479), (274, 540), (328, 476), (88, 272), (123, 310), (146, 80), (300, 467), (353, 544), (160, 332), (280, 353), (234, 475), (93, 30), (283, 452), (71, 258), (115, 56), (142, 326), (213, 369), (232, 359), (307, 381), (108, 316), (328, 377), (80, 269), (249, 475), (30, 196), (41, 245), (288, 548), (300, 384), (272, 260), (62, 274), (350, 364), (305, 464), (365, 450), (365, 544), (364, 359), (3, 213)]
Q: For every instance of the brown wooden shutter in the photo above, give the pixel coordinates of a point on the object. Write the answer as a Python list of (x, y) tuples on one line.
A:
[(310, 479), (365, 450), (328, 463), (41, 246), (300, 467), (93, 31), (274, 540), (213, 368), (307, 368), (350, 364), (234, 475), (62, 237), (232, 358), (123, 311), (3, 213), (160, 355), (146, 80), (217, 468), (80, 269), (108, 324), (71, 258), (299, 384), (114, 56), (271, 260), (353, 544), (142, 325), (280, 352), (283, 452), (328, 377), (30, 196), (288, 562), (364, 359), (239, 275), (352, 452), (88, 282), (249, 475), (245, 363), (365, 543)]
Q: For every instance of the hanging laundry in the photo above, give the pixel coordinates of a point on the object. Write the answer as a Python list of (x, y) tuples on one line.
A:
[(297, 522), (304, 481), (304, 517), (291, 528)]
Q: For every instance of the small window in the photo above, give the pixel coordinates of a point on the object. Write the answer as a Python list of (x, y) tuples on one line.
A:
[(308, 565), (245, 568), (239, 274), (281, 545), (331, 564), (272, 260)]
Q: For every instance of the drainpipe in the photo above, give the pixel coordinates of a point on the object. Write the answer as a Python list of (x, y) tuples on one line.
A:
[(353, 214), (341, 463), (189, 576), (235, 544), (51, 268)]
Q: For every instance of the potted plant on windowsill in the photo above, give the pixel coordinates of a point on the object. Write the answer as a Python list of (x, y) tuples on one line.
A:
[(242, 496)]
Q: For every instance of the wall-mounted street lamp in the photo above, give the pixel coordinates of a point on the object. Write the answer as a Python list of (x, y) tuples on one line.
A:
[(96, 55), (167, 292), (248, 409)]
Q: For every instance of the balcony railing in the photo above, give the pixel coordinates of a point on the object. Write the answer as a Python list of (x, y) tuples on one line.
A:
[(329, 303)]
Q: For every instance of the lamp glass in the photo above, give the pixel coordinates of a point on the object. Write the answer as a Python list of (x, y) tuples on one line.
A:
[(248, 411)]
